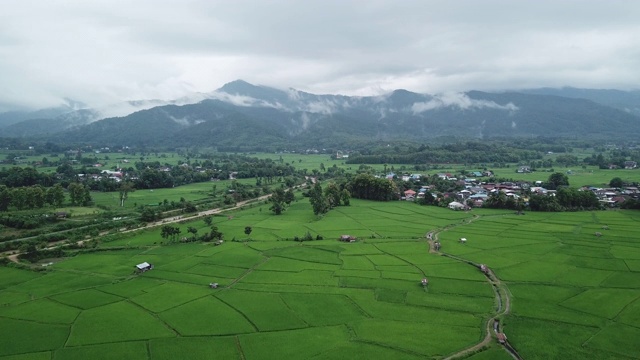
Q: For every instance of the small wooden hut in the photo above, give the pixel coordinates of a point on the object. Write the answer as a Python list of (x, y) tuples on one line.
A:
[(347, 238), (484, 268)]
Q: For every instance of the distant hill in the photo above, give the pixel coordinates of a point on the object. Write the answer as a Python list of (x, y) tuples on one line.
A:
[(628, 101), (242, 116)]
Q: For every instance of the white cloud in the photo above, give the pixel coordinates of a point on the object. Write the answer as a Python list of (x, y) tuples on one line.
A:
[(459, 100), (103, 52)]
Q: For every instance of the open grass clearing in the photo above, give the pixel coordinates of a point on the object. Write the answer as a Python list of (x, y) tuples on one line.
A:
[(169, 295), (272, 314), (18, 336), (105, 325), (41, 310), (206, 316), (197, 348), (416, 338), (616, 300), (298, 344), (121, 350)]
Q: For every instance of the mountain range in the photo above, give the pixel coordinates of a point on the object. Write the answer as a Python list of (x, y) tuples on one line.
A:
[(243, 116)]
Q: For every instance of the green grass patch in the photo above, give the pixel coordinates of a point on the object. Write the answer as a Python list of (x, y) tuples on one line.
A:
[(11, 276), (123, 350), (207, 316), (272, 314), (170, 295), (427, 340), (619, 339), (86, 299), (18, 336), (474, 305), (106, 324), (42, 310), (323, 309), (299, 344), (587, 301), (197, 348)]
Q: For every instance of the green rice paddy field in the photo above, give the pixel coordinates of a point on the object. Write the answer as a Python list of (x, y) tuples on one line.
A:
[(573, 295)]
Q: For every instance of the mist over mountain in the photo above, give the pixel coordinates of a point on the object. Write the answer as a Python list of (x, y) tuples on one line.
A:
[(243, 116)]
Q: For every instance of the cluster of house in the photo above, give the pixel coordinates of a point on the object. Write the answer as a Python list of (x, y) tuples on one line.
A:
[(104, 174), (476, 192)]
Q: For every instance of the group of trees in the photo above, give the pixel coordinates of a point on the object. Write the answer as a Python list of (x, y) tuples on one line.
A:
[(30, 197), (79, 194), (459, 152), (280, 199), (332, 196), (369, 187), (566, 199)]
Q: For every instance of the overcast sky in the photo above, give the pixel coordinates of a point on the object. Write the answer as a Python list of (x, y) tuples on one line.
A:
[(102, 52)]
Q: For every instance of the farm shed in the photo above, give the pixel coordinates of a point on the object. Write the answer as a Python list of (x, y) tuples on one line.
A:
[(347, 238), (145, 266), (213, 285), (463, 240)]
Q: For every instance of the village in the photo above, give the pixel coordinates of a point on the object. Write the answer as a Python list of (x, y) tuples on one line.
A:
[(473, 191)]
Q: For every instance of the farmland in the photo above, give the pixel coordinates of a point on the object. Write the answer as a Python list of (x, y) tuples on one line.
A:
[(572, 295)]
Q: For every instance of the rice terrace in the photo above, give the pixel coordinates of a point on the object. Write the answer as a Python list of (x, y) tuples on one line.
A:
[(556, 290)]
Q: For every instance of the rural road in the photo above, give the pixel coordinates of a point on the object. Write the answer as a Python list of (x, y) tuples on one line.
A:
[(13, 255), (503, 298)]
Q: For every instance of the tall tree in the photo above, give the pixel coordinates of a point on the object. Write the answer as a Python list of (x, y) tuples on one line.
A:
[(124, 191), (277, 201), (332, 195), (556, 180), (5, 198), (55, 195), (317, 200)]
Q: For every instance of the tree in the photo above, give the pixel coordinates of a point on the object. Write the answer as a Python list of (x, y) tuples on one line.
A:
[(79, 194), (189, 207), (556, 180), (5, 198), (208, 220), (277, 201), (192, 230), (616, 182), (332, 195), (148, 214), (76, 191), (248, 230), (214, 233), (55, 195), (289, 196), (317, 200), (166, 231), (124, 191), (345, 197)]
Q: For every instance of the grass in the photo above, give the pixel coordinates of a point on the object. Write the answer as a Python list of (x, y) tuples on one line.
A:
[(572, 295), (105, 325)]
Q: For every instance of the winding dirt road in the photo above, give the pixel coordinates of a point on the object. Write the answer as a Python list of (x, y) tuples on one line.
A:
[(503, 298)]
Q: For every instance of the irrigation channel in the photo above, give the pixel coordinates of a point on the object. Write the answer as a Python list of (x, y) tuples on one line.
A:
[(503, 300)]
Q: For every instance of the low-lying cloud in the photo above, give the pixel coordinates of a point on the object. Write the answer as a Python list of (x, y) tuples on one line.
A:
[(459, 100)]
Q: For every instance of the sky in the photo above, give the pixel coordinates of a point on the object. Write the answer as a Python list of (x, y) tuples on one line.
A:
[(108, 51)]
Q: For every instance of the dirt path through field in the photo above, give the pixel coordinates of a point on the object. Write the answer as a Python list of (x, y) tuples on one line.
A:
[(502, 295)]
